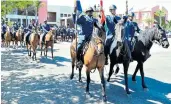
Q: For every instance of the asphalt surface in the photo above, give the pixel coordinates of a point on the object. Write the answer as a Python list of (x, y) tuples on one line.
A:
[(46, 81)]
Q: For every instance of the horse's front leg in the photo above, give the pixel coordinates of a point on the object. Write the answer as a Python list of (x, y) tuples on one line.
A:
[(73, 65), (88, 82), (80, 79), (134, 75), (27, 48), (101, 73), (117, 69), (30, 52), (111, 70), (142, 74), (41, 46), (126, 65), (52, 51)]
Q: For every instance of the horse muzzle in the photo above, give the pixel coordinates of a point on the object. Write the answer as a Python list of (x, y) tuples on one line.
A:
[(165, 44)]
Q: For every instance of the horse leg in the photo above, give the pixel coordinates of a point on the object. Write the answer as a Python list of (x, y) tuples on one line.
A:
[(72, 73), (80, 79), (142, 75), (134, 75), (88, 81), (41, 46), (117, 69), (27, 49), (126, 65), (101, 73), (30, 51), (46, 50), (52, 51), (111, 70)]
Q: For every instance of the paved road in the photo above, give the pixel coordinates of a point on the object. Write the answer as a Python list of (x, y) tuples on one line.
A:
[(47, 81)]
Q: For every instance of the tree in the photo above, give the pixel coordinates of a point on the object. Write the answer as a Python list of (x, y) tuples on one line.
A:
[(149, 21), (8, 5), (160, 14)]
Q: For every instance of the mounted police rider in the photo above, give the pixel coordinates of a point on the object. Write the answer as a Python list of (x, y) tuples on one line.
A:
[(111, 20), (46, 29), (30, 27), (3, 29), (85, 23), (15, 28), (130, 29)]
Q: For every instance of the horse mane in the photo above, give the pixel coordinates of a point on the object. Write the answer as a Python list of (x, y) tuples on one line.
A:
[(118, 30)]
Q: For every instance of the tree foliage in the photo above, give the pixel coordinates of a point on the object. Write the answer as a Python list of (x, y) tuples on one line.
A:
[(8, 5), (160, 14), (167, 25), (149, 21)]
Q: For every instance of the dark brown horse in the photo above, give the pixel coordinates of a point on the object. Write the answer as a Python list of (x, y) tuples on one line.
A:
[(139, 54)]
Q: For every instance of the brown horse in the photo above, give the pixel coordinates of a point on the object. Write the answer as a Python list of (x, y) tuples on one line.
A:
[(93, 58), (8, 37), (32, 44), (19, 37), (48, 41)]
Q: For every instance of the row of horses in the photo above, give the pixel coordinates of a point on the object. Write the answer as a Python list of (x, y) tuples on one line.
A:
[(31, 41), (94, 58)]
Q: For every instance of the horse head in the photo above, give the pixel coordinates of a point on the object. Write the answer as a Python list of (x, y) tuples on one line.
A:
[(98, 39), (160, 36)]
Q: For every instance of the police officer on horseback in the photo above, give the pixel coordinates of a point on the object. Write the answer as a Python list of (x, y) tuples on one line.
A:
[(30, 27), (15, 28), (85, 23), (45, 27), (130, 29), (111, 20), (4, 29)]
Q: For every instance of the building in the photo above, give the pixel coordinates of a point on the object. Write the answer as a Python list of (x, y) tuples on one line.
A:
[(148, 12), (54, 14), (59, 14), (20, 16)]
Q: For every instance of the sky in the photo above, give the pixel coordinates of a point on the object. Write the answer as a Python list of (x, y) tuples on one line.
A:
[(136, 4)]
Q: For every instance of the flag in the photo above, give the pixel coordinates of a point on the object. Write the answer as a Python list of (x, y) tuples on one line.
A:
[(103, 18), (78, 5)]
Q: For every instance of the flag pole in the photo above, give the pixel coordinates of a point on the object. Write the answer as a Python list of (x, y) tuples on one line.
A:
[(76, 33)]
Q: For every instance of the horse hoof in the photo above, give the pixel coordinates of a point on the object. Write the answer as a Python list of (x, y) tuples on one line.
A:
[(71, 76), (128, 93), (104, 100), (88, 95), (80, 81), (108, 80), (145, 89)]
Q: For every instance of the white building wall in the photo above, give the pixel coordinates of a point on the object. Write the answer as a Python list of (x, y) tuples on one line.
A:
[(59, 10)]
